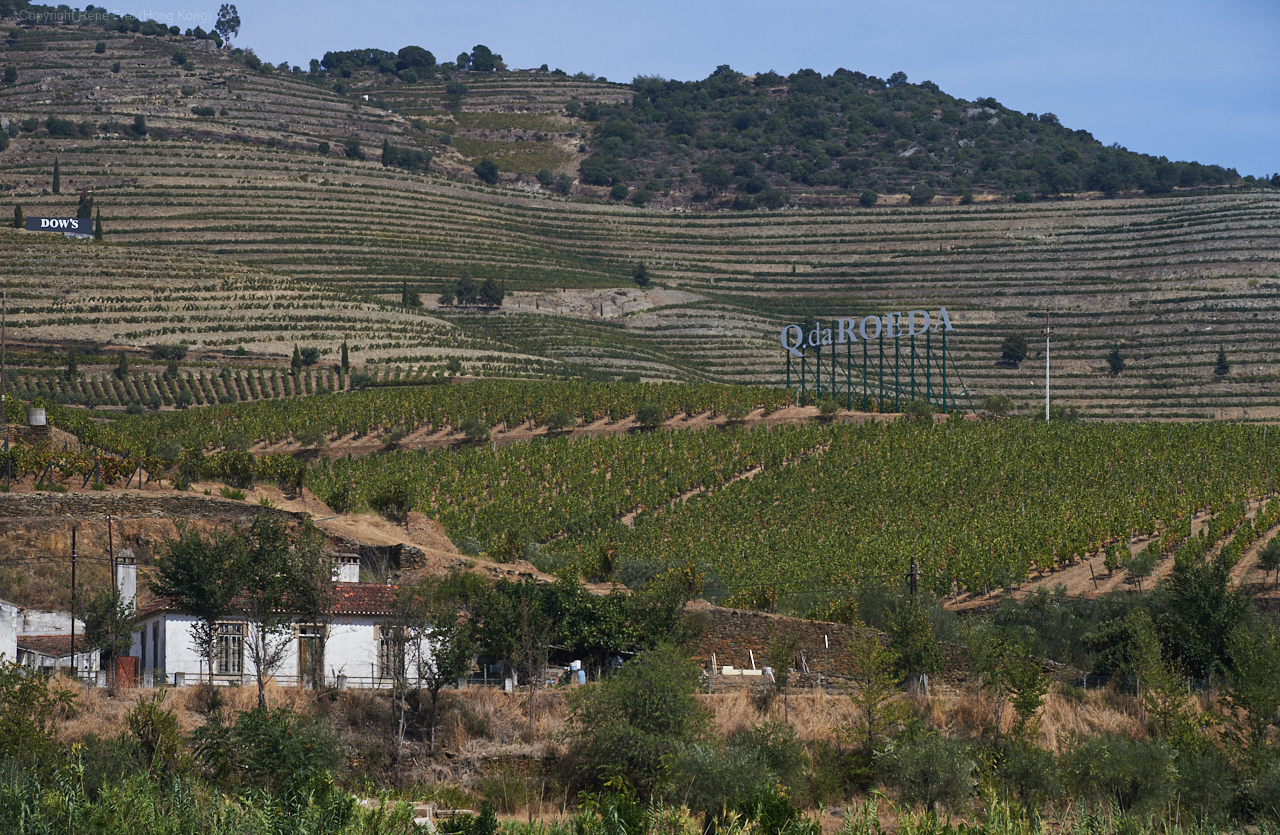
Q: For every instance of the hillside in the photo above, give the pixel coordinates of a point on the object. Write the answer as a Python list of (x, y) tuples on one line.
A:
[(1167, 280)]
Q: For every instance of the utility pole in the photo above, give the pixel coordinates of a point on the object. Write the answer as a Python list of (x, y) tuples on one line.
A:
[(111, 556), (75, 670), (1048, 331), (4, 377)]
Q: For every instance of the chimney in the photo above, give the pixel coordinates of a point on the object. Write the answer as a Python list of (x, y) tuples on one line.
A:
[(127, 578), (346, 568)]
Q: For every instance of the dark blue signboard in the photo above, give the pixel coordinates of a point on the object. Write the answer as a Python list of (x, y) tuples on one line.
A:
[(66, 225)]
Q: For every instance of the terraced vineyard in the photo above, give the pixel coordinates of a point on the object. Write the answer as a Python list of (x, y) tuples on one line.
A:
[(1167, 280), (799, 511), (977, 505), (106, 298)]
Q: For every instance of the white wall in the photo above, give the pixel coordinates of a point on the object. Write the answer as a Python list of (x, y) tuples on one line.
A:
[(9, 630), (352, 650), (31, 622)]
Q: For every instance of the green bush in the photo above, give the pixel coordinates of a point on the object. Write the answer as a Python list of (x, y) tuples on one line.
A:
[(272, 749), (29, 704), (1135, 775), (1028, 774), (476, 430), (928, 771), (158, 736), (634, 724), (487, 170), (650, 415)]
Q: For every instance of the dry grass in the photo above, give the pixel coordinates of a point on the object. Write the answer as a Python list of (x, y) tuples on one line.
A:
[(487, 746)]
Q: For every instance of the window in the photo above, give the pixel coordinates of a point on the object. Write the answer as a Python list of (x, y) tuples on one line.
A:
[(229, 655), (390, 652), (155, 645), (310, 654)]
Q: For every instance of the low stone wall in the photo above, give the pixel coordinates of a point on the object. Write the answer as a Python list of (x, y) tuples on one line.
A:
[(735, 635), (97, 505)]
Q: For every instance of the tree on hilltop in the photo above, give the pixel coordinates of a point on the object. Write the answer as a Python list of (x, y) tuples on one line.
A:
[(484, 59), (228, 22)]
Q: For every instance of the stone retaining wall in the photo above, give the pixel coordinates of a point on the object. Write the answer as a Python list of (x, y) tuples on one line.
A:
[(97, 505)]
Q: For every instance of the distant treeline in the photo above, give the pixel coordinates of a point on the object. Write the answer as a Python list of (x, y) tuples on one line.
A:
[(851, 131)]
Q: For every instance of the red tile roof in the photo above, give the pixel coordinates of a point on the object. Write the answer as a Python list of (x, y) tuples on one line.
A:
[(54, 646), (348, 599)]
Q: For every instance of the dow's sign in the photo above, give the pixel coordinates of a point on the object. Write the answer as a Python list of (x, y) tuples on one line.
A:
[(80, 227), (795, 338)]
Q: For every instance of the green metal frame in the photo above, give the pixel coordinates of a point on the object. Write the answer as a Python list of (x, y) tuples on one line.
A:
[(868, 377)]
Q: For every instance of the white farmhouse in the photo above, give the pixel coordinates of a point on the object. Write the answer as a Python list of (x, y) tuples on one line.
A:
[(42, 640), (359, 650)]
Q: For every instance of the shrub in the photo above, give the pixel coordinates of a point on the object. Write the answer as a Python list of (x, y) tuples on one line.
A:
[(100, 47), (929, 771), (272, 749), (1133, 775), (868, 199), (996, 404), (476, 430), (487, 170), (921, 195), (158, 736), (650, 415), (918, 410), (560, 421), (633, 724), (169, 352), (1029, 774), (29, 704)]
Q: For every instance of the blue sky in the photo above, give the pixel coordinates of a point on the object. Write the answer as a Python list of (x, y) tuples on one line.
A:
[(1189, 79)]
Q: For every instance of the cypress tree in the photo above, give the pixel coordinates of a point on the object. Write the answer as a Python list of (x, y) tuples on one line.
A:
[(97, 226), (57, 177), (296, 363), (346, 359), (1221, 368), (19, 220), (122, 367)]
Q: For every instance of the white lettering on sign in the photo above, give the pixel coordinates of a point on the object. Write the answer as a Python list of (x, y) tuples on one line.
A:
[(796, 339)]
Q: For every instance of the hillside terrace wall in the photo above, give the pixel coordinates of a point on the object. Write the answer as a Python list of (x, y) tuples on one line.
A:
[(734, 635), (41, 524), (97, 505)]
